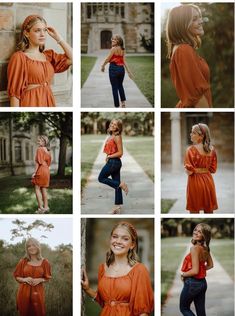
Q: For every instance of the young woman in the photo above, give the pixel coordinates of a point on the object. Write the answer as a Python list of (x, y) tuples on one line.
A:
[(193, 274), (124, 286), (114, 151), (190, 73), (31, 272), (200, 162), (117, 67), (31, 68), (41, 176)]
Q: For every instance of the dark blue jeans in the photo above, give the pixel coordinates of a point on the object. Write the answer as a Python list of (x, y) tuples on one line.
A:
[(194, 290), (112, 168), (116, 77)]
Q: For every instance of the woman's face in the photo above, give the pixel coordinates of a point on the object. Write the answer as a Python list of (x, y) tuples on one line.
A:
[(114, 41), (113, 126), (32, 249), (37, 34), (195, 137), (40, 142), (197, 233), (195, 27), (121, 242)]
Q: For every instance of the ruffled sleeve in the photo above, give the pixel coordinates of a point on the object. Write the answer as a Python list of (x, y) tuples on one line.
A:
[(213, 165), (141, 299), (58, 61), (188, 160), (19, 270), (17, 75), (39, 158), (188, 79), (47, 269), (100, 275)]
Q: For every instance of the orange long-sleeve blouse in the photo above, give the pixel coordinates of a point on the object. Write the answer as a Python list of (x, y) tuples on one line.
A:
[(201, 194), (24, 71), (31, 299), (190, 75), (128, 295), (42, 175)]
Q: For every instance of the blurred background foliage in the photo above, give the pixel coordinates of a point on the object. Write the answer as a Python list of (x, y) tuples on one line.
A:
[(217, 49)]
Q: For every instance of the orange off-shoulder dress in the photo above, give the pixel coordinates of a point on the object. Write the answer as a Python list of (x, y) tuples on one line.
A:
[(190, 75), (31, 299), (24, 71), (128, 295), (42, 175), (201, 194)]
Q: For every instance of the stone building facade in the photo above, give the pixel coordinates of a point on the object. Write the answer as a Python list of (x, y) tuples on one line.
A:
[(12, 15), (99, 21), (24, 146), (175, 135)]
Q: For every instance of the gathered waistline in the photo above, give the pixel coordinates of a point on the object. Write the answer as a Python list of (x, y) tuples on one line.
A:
[(201, 170), (114, 303), (36, 85)]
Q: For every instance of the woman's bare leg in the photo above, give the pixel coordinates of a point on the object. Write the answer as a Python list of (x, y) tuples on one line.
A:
[(38, 196), (44, 197)]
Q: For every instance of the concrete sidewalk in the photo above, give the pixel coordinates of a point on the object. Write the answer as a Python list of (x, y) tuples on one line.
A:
[(173, 186), (98, 198), (97, 92), (219, 295)]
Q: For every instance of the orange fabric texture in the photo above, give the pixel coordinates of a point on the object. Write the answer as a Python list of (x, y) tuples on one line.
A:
[(24, 71), (42, 175), (110, 146), (187, 265), (190, 75), (128, 295), (201, 193), (31, 299), (117, 59)]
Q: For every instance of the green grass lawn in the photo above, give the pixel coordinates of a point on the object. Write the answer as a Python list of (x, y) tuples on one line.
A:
[(87, 63), (172, 251), (169, 97), (223, 250), (90, 147), (166, 205), (143, 69), (17, 195), (142, 149)]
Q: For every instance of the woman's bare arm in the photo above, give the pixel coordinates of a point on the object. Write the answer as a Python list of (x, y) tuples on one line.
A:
[(194, 251), (210, 263), (14, 102)]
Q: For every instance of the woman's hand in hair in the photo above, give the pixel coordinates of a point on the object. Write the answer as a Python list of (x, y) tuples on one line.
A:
[(54, 34)]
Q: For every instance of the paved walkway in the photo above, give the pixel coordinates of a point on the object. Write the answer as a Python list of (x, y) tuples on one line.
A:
[(173, 186), (99, 198), (219, 295), (96, 91)]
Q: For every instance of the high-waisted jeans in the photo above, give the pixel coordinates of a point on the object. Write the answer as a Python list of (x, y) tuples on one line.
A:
[(112, 168), (194, 290), (116, 77)]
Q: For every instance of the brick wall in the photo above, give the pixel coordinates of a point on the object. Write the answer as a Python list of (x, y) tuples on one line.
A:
[(58, 15)]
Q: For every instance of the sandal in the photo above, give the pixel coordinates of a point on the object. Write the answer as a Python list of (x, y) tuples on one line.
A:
[(116, 210), (39, 210), (123, 105), (124, 187)]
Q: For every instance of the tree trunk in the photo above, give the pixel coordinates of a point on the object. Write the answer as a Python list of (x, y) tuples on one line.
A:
[(83, 260), (10, 145), (62, 156)]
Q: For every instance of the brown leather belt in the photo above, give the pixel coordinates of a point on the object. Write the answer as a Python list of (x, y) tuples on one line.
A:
[(36, 85), (114, 303), (201, 170)]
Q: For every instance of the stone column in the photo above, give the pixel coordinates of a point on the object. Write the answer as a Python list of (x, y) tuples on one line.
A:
[(176, 163)]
